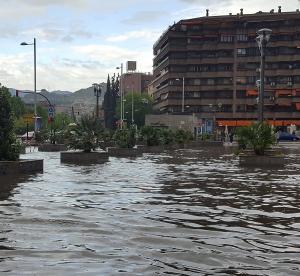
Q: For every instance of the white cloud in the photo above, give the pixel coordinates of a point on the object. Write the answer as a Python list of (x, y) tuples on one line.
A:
[(148, 35)]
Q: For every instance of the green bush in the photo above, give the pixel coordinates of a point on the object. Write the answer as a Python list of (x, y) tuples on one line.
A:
[(182, 136), (259, 137), (125, 138), (85, 135), (166, 136), (9, 147), (151, 136)]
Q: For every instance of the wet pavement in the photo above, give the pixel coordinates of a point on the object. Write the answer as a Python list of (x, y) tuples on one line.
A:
[(186, 212)]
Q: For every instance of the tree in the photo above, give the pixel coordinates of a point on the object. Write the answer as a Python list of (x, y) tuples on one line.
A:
[(86, 134), (18, 107), (259, 137), (9, 148), (142, 105), (110, 102)]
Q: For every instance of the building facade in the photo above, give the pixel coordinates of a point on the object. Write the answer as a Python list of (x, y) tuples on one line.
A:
[(209, 66), (136, 82)]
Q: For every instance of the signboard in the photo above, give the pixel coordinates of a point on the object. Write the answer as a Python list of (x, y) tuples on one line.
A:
[(51, 112), (28, 118)]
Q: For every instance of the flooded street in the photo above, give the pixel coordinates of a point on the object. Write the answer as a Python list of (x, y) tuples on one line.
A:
[(192, 212)]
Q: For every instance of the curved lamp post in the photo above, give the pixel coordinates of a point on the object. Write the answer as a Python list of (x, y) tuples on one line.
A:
[(262, 40), (121, 95), (35, 112)]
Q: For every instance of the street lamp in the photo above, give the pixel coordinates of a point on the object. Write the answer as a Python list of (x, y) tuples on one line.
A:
[(214, 109), (183, 92), (97, 93), (35, 112), (121, 95), (262, 40)]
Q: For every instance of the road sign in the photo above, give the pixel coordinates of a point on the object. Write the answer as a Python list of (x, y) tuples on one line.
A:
[(29, 118), (51, 111)]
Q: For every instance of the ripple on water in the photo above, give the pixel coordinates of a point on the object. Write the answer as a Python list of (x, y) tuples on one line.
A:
[(181, 213)]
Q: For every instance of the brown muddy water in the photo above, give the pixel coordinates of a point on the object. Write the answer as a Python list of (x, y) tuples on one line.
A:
[(178, 213)]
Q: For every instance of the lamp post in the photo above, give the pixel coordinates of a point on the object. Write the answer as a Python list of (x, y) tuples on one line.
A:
[(262, 40), (214, 109), (183, 93), (34, 52), (121, 95), (97, 93)]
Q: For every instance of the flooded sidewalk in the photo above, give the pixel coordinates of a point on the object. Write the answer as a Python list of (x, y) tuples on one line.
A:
[(186, 212)]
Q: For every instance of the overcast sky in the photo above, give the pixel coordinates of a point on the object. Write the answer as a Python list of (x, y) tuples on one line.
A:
[(80, 41)]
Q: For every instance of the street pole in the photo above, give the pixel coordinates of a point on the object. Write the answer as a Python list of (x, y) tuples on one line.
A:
[(183, 92), (262, 40), (122, 97), (35, 97), (132, 106), (262, 83)]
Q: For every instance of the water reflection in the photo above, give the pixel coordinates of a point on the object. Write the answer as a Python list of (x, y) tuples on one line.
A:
[(180, 213)]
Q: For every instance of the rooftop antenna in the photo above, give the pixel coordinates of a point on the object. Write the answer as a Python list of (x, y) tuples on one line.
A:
[(207, 12)]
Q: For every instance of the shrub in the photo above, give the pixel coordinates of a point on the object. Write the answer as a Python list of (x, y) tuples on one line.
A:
[(166, 136), (151, 135), (182, 136), (9, 147), (85, 135), (125, 138), (259, 137)]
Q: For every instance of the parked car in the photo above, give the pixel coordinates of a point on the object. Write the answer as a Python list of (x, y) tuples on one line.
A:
[(285, 136)]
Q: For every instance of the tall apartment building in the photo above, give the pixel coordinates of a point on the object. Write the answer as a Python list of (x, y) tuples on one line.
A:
[(216, 60)]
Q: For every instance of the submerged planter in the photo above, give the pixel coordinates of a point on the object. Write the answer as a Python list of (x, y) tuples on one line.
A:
[(79, 157), (270, 159), (52, 147), (124, 152), (22, 166), (151, 149)]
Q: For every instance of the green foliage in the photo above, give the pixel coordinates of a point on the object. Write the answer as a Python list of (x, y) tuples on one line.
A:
[(85, 135), (166, 136), (142, 105), (151, 135), (206, 136), (182, 136), (9, 147), (125, 138), (18, 107), (42, 135), (259, 137)]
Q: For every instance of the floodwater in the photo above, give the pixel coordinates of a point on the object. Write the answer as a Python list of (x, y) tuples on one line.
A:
[(187, 212)]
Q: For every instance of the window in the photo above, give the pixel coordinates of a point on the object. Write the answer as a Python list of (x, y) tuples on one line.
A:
[(241, 80), (226, 38), (241, 51), (197, 81), (210, 81), (242, 37)]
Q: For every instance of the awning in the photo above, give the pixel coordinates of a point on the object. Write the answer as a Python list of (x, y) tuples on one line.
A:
[(240, 123), (286, 92), (234, 123), (251, 93)]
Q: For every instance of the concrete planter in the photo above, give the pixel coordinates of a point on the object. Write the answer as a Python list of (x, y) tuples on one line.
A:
[(124, 152), (21, 166), (151, 149), (79, 157), (52, 147), (174, 146), (251, 160)]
